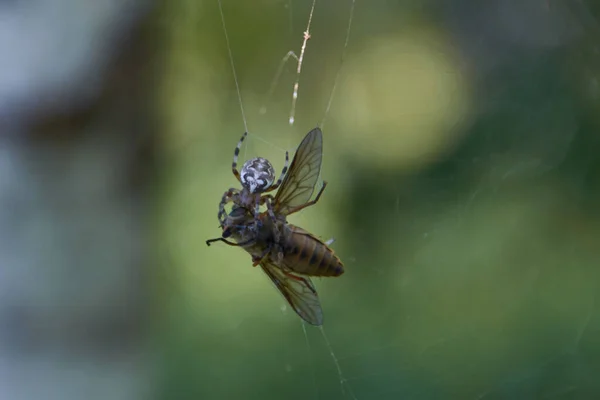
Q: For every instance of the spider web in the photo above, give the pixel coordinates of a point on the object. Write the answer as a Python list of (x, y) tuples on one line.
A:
[(299, 59), (469, 270)]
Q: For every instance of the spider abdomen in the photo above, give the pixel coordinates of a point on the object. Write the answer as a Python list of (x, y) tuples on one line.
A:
[(257, 175)]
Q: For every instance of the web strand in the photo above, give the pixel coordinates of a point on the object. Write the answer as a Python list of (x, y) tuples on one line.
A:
[(275, 80), (237, 85), (343, 57), (343, 380), (314, 378), (300, 59)]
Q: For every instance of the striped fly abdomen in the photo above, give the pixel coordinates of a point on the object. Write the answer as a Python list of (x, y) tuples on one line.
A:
[(306, 254)]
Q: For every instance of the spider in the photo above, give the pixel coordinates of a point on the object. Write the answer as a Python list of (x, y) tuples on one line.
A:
[(256, 177)]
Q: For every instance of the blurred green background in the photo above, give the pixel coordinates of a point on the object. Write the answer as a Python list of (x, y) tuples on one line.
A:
[(461, 154)]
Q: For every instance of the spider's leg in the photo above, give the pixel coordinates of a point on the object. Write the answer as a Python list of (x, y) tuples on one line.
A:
[(265, 197), (268, 200), (283, 171), (227, 197), (271, 212), (257, 217), (236, 153)]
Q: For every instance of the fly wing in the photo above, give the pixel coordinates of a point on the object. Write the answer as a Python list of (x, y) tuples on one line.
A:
[(299, 183), (299, 292)]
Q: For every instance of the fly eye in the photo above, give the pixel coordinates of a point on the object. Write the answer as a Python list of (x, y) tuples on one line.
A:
[(226, 233)]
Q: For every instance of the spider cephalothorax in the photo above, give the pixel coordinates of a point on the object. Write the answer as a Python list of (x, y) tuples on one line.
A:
[(257, 177)]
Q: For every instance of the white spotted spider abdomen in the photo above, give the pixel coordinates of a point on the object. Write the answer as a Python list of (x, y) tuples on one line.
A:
[(257, 175)]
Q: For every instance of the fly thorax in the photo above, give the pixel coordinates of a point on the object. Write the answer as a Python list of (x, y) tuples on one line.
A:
[(257, 175)]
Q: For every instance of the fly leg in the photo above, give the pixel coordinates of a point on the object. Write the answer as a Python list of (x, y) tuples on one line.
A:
[(310, 203), (266, 253), (306, 282), (259, 259)]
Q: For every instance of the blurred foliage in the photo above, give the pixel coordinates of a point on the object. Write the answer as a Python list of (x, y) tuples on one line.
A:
[(463, 201)]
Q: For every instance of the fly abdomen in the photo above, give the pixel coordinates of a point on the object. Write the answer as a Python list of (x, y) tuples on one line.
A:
[(306, 249), (330, 263), (302, 253), (308, 255)]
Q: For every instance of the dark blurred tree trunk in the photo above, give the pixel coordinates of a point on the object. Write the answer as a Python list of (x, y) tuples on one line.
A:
[(76, 172)]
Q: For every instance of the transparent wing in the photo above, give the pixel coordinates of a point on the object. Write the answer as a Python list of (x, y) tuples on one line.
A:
[(298, 291), (299, 183)]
